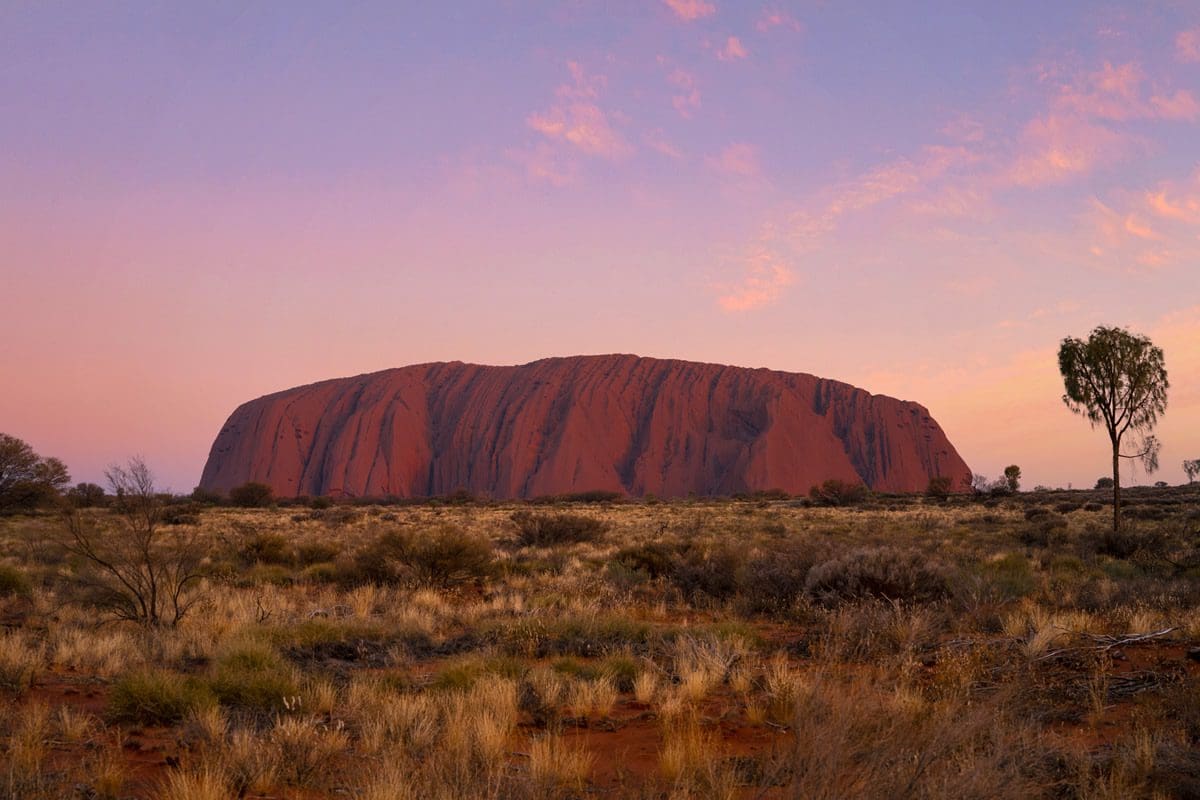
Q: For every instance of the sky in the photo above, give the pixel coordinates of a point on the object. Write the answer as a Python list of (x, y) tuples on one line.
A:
[(202, 203)]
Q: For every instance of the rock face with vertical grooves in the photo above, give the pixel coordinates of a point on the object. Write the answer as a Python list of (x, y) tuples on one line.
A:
[(560, 425)]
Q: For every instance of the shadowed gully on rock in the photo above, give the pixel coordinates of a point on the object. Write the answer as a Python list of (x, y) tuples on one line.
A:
[(561, 425)]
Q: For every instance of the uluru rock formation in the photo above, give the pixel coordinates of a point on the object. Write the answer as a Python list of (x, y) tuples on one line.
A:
[(561, 425)]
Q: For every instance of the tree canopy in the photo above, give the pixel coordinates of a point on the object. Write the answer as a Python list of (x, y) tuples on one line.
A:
[(1117, 379), (27, 479)]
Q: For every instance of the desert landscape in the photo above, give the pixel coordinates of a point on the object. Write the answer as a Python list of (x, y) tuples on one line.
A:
[(838, 645), (567, 399)]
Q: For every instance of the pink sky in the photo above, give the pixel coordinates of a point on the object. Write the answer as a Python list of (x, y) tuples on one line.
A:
[(198, 207)]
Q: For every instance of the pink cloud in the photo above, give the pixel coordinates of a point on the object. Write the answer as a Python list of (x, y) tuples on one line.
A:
[(656, 140), (964, 128), (899, 177), (739, 159), (1176, 202), (774, 18), (733, 50), (1127, 240), (1187, 45), (687, 99), (1181, 105), (577, 120), (1056, 148), (1109, 93), (544, 164), (689, 10), (764, 278), (1114, 93)]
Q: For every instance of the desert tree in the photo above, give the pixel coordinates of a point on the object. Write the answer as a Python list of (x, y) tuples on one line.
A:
[(1117, 379), (135, 568), (1192, 469), (1012, 477), (27, 479)]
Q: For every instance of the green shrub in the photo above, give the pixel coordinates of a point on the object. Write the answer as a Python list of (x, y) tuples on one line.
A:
[(1011, 576), (321, 573), (206, 497), (653, 559), (442, 557), (13, 582), (266, 574), (317, 553), (1044, 530), (253, 676), (708, 569), (774, 578), (622, 670), (268, 548), (834, 492), (462, 674), (548, 530), (156, 697), (251, 495), (887, 573), (939, 487)]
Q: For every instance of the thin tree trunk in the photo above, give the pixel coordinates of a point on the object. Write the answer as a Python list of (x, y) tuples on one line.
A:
[(1116, 487)]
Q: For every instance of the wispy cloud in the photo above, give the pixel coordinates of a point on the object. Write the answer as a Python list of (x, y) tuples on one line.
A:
[(1056, 148), (732, 50), (1187, 46), (764, 277), (772, 18), (578, 120), (1080, 131), (689, 10), (739, 159), (686, 99), (1176, 202), (657, 141), (884, 182), (1153, 230), (543, 163)]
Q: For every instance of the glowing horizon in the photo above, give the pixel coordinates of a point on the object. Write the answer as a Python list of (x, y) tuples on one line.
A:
[(199, 206)]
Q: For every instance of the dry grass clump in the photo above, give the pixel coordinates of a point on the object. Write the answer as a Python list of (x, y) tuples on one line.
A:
[(20, 661), (205, 783), (306, 749), (555, 765)]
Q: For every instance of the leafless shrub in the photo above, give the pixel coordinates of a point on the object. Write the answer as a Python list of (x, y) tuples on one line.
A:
[(136, 570)]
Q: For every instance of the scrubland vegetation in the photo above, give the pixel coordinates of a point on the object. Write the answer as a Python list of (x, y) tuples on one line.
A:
[(882, 647)]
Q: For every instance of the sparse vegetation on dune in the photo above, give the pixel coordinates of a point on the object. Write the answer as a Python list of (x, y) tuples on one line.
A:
[(847, 645)]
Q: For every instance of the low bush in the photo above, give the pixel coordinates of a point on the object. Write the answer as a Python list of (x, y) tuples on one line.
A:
[(834, 492), (253, 677), (887, 573), (774, 578), (548, 530), (442, 557), (13, 582), (1044, 530), (268, 548), (251, 495), (317, 553), (653, 559), (157, 697), (708, 569)]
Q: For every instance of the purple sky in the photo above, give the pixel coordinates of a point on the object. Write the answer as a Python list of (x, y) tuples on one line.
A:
[(203, 203)]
